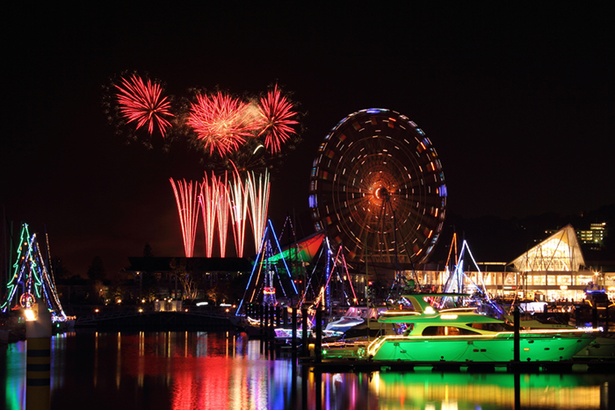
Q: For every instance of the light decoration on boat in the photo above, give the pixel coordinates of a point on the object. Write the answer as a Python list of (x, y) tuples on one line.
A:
[(263, 272), (32, 275), (430, 310)]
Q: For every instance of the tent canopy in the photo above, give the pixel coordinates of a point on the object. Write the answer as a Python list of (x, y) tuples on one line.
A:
[(559, 252)]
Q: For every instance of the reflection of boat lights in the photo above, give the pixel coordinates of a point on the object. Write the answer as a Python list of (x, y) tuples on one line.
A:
[(269, 290)]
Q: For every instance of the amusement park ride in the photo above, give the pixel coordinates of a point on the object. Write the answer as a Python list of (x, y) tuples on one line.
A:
[(377, 200)]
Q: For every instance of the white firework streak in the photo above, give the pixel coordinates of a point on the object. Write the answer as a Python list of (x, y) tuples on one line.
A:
[(238, 206), (222, 210), (258, 195)]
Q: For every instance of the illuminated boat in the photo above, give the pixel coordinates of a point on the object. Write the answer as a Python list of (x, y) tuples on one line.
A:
[(286, 334), (464, 335)]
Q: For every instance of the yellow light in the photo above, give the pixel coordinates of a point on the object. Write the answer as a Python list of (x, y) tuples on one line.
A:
[(429, 310), (30, 314)]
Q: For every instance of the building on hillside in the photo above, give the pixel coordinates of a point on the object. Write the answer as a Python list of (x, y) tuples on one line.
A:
[(594, 237)]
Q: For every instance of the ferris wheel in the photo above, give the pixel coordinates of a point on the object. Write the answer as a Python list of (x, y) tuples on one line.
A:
[(377, 189)]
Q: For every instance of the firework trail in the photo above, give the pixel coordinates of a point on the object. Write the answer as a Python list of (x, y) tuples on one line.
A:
[(239, 212), (142, 102), (223, 207), (187, 199), (277, 118), (208, 204), (222, 122), (214, 209), (258, 196)]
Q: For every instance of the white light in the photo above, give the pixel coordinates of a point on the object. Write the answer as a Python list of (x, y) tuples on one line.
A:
[(29, 314)]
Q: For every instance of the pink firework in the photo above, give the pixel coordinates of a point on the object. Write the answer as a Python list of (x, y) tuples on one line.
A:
[(142, 102), (277, 118), (222, 122), (187, 200)]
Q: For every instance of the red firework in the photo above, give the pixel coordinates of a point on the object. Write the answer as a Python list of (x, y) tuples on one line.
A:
[(142, 102), (278, 119), (222, 122)]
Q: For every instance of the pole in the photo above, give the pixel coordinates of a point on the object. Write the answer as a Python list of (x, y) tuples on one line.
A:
[(304, 332), (318, 345), (38, 343), (294, 341), (516, 336)]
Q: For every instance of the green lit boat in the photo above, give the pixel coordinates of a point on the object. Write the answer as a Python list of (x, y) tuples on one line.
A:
[(465, 335)]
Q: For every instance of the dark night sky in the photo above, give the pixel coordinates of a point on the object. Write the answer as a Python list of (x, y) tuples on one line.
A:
[(517, 98)]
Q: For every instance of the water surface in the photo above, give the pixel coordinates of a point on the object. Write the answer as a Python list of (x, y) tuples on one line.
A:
[(201, 370)]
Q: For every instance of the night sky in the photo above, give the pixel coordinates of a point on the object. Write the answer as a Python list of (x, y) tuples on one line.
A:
[(517, 98)]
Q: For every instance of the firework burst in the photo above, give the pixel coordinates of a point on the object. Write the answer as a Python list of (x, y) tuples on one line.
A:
[(222, 122), (142, 102), (278, 119)]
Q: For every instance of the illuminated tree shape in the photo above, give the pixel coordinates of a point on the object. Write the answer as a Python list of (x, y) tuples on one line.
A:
[(31, 279), (187, 199)]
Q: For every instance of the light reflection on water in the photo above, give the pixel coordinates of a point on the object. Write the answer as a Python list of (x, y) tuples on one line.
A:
[(200, 370)]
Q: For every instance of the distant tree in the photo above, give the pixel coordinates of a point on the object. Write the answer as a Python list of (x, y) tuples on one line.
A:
[(96, 272), (147, 250), (60, 272), (181, 275)]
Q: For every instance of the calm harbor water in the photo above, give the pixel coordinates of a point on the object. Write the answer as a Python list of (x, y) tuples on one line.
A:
[(219, 370)]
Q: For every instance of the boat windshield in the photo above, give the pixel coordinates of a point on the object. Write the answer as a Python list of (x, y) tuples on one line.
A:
[(448, 330)]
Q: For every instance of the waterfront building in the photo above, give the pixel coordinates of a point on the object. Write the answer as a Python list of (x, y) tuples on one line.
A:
[(553, 270)]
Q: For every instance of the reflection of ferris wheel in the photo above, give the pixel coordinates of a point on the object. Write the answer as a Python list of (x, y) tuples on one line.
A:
[(377, 188)]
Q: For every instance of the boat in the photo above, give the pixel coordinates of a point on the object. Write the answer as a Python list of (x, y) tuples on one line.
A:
[(358, 321), (286, 334), (466, 335)]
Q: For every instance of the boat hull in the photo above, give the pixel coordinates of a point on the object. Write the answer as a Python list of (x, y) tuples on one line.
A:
[(498, 348)]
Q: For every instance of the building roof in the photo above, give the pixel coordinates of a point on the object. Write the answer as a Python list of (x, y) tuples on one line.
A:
[(559, 252)]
